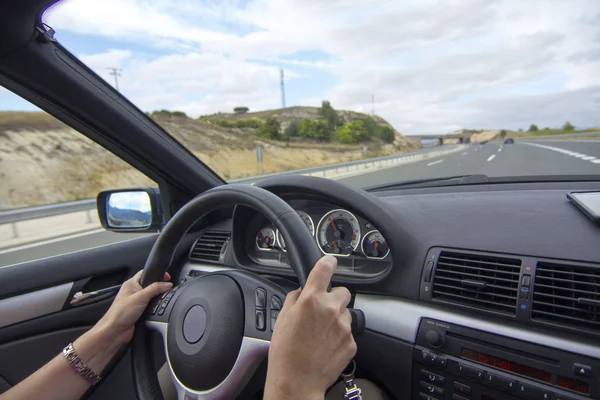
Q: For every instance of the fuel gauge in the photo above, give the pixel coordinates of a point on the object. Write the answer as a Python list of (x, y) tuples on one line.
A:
[(374, 245)]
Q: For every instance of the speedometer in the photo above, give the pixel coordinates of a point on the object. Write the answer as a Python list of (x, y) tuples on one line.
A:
[(309, 224), (338, 233)]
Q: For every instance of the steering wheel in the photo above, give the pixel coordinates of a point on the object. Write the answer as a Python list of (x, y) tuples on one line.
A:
[(216, 328)]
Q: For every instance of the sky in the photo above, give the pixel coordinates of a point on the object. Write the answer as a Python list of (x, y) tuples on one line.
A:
[(432, 66)]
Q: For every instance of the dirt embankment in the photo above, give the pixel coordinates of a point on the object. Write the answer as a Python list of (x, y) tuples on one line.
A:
[(43, 161)]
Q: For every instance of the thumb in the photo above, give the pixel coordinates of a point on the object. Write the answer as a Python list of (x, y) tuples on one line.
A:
[(148, 293)]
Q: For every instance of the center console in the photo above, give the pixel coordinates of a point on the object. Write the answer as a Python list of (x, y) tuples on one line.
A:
[(455, 362)]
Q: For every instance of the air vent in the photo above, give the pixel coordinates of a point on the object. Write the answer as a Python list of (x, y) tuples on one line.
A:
[(567, 295), (209, 246), (479, 281)]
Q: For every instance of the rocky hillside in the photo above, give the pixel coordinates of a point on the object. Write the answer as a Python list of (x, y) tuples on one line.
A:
[(44, 161)]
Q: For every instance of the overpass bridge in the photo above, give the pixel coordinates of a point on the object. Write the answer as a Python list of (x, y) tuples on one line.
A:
[(442, 139)]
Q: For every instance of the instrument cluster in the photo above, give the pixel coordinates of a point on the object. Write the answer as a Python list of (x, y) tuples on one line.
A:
[(357, 244)]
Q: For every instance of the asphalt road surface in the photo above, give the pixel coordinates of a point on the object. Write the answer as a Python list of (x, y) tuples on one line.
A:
[(494, 159)]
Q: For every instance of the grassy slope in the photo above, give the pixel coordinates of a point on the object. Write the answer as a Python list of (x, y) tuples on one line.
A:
[(44, 161)]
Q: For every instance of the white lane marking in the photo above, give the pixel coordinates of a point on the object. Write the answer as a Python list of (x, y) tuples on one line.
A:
[(60, 239), (465, 153), (500, 149), (491, 157), (581, 156), (435, 162)]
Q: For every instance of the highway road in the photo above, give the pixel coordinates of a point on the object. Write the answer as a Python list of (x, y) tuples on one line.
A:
[(495, 159)]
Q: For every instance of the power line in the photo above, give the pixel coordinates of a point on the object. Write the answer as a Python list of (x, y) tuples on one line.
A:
[(116, 72), (282, 88)]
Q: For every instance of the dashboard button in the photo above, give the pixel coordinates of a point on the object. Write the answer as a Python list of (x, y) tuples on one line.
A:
[(260, 320), (428, 271), (432, 389), (276, 303), (458, 397), (432, 378), (274, 315), (426, 396), (526, 281), (500, 382), (582, 370), (161, 310), (260, 296), (532, 392), (462, 388), (441, 361), (471, 372), (524, 293), (425, 355)]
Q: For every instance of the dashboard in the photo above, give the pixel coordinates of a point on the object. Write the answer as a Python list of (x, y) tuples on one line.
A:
[(490, 289)]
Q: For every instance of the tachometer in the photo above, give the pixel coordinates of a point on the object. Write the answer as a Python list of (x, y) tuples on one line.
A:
[(338, 233), (374, 245), (266, 239), (309, 224)]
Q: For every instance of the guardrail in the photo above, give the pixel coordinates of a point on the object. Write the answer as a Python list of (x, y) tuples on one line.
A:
[(22, 214)]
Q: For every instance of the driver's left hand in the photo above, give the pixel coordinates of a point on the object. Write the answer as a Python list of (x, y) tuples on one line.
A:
[(130, 303)]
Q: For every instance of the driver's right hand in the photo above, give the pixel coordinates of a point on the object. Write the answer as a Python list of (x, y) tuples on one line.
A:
[(312, 341)]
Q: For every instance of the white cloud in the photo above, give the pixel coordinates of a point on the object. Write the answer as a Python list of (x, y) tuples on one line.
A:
[(432, 65)]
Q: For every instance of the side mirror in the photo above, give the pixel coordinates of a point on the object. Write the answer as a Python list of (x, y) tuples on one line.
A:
[(130, 210)]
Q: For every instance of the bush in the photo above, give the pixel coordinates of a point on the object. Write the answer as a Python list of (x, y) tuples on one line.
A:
[(293, 129), (533, 128), (353, 132), (568, 126), (315, 130), (179, 114), (271, 128), (503, 133), (248, 123)]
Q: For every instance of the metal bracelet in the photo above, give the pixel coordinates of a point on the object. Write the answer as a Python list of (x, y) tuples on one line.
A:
[(79, 366)]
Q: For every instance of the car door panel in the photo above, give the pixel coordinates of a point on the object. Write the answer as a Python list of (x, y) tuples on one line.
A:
[(37, 318)]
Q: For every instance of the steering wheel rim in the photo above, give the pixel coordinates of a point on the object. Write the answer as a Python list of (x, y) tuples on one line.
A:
[(303, 253)]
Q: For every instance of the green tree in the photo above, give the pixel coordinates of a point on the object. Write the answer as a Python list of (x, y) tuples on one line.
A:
[(293, 129), (568, 126), (533, 128), (241, 110), (387, 134), (315, 130), (352, 132), (503, 133), (271, 128), (328, 113)]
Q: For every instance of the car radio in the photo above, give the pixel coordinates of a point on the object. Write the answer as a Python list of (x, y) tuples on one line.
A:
[(455, 362)]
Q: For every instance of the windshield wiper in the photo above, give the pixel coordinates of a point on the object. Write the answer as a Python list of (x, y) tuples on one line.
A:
[(432, 182)]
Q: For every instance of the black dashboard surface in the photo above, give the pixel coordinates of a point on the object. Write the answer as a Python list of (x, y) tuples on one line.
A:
[(521, 219)]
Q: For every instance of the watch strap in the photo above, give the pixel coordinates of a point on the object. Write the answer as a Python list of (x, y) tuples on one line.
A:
[(79, 366)]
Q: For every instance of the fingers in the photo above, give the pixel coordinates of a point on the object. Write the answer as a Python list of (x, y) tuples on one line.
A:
[(342, 297), (138, 276), (291, 298), (148, 293), (320, 276)]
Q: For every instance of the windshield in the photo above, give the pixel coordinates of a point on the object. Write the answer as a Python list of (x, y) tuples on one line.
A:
[(369, 92)]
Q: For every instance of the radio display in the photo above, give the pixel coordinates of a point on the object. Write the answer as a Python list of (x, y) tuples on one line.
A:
[(573, 384), (507, 365)]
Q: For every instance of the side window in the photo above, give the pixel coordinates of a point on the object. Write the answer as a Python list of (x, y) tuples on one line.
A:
[(50, 175)]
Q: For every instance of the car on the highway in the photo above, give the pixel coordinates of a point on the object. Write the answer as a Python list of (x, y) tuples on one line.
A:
[(472, 276), (509, 140)]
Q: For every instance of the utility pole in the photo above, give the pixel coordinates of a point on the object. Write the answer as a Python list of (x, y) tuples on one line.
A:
[(282, 88), (116, 72), (373, 104)]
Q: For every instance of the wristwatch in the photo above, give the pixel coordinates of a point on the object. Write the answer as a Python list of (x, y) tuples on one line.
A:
[(79, 366)]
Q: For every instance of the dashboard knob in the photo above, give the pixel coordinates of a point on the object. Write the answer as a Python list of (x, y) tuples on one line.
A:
[(434, 337)]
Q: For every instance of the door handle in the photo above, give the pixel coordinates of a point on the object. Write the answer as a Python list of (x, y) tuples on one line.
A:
[(81, 298)]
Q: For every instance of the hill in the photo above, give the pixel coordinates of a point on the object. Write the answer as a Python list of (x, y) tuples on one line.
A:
[(59, 164)]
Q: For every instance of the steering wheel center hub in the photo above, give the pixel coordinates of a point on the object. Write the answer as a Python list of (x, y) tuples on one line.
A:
[(205, 331)]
